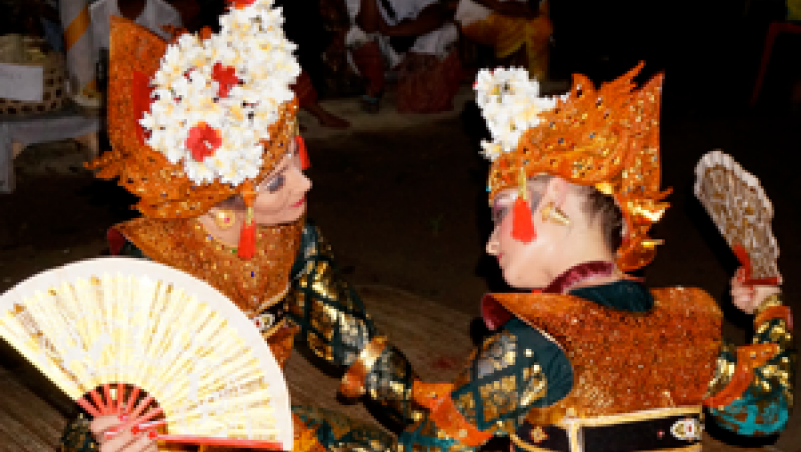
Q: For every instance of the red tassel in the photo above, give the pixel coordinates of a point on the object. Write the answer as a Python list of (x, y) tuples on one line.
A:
[(745, 261), (305, 163), (247, 240), (522, 226)]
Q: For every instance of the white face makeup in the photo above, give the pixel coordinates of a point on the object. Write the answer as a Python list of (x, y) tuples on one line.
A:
[(281, 196), (524, 265)]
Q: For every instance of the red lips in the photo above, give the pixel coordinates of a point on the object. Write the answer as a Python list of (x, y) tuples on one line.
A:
[(299, 203)]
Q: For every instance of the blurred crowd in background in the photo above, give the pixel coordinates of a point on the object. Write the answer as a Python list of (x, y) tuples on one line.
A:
[(427, 49)]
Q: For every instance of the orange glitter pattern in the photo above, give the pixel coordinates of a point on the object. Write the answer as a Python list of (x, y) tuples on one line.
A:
[(607, 138), (163, 188), (626, 362), (183, 244)]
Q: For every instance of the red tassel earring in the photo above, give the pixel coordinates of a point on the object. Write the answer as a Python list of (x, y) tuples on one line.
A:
[(305, 163), (247, 239), (522, 222)]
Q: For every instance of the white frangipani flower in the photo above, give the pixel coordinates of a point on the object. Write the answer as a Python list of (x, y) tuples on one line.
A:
[(510, 103), (195, 87)]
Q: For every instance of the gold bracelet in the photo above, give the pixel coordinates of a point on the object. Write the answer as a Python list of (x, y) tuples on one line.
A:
[(354, 379), (769, 302)]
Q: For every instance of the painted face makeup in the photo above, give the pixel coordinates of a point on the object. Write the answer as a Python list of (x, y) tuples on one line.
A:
[(522, 263), (282, 196)]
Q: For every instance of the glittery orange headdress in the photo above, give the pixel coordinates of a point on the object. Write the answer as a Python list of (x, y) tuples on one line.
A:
[(203, 118), (607, 138)]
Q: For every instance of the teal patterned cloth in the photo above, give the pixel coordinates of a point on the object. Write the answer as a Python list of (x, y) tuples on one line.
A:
[(766, 405)]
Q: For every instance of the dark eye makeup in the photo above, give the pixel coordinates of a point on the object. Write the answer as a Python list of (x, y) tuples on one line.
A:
[(499, 210), (276, 183), (501, 206)]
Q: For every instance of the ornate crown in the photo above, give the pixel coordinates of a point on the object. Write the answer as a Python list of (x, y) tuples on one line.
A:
[(203, 118), (606, 137)]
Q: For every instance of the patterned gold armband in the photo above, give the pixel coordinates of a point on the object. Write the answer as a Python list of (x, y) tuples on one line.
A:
[(774, 312), (354, 379), (749, 357), (437, 398), (770, 302), (305, 437)]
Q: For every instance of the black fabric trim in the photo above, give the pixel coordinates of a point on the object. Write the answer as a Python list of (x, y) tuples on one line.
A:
[(635, 436), (650, 435)]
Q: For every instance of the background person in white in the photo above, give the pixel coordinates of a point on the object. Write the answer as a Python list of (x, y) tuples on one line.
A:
[(424, 24), (151, 14)]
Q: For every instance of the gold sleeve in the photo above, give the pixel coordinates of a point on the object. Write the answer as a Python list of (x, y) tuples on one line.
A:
[(751, 392), (336, 328)]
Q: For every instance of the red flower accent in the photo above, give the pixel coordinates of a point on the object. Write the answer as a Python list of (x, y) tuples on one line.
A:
[(240, 3), (202, 141), (225, 76)]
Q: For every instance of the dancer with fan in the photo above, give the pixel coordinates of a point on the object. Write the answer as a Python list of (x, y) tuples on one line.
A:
[(589, 359), (204, 131)]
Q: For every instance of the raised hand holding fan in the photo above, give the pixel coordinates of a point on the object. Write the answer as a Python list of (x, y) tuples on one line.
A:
[(742, 212), (132, 327)]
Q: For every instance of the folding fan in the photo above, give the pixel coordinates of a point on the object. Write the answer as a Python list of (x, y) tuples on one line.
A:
[(135, 327), (742, 212)]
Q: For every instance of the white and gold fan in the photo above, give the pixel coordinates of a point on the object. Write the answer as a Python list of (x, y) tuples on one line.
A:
[(742, 212), (117, 323)]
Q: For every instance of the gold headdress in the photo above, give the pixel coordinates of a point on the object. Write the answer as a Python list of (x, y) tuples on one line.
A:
[(607, 138), (203, 118)]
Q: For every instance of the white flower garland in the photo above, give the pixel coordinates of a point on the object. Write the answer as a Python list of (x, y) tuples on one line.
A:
[(510, 103), (252, 42)]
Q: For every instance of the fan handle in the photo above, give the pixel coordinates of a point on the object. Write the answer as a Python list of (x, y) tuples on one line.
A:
[(745, 261), (218, 441), (110, 405)]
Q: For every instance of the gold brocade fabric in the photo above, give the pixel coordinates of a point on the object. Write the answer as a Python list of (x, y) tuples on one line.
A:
[(625, 362), (776, 374), (184, 244), (724, 370), (336, 328), (764, 406), (335, 325)]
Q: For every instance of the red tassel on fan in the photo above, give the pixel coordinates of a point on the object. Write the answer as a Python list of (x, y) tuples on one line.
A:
[(522, 225), (745, 261), (305, 163)]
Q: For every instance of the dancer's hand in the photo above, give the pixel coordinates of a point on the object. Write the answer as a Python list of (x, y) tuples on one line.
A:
[(124, 440), (748, 298)]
